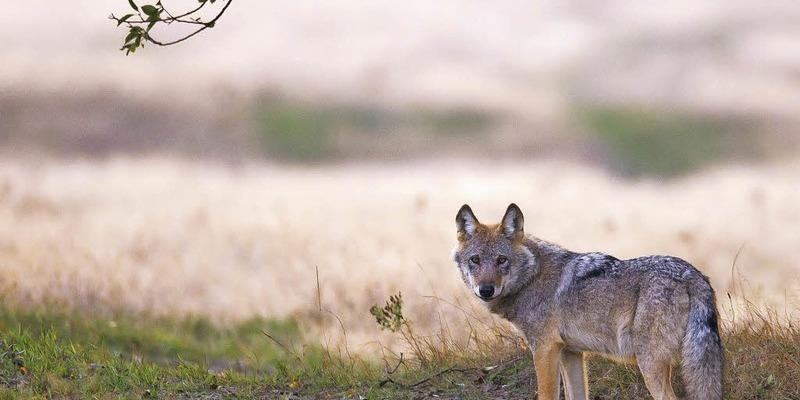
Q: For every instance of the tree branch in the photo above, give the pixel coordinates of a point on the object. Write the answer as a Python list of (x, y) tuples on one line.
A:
[(138, 35)]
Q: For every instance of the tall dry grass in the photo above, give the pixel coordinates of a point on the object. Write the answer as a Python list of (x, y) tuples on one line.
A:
[(176, 237)]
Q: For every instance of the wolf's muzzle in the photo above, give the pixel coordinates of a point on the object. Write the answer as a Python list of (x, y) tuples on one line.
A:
[(486, 292)]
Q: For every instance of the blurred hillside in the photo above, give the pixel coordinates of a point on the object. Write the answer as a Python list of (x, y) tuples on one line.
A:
[(643, 89)]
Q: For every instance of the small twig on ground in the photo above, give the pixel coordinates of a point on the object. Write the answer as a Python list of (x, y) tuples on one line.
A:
[(424, 380), (502, 365), (440, 373), (396, 366)]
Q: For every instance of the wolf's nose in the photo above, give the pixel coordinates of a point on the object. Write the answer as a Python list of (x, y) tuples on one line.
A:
[(486, 291)]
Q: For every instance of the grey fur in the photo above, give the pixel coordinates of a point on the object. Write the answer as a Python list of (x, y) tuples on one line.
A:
[(657, 311)]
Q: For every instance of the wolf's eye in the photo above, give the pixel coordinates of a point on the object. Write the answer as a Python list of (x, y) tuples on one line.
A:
[(475, 260), (501, 260)]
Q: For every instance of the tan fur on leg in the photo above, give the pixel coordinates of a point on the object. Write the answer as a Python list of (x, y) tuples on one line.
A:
[(657, 379), (546, 360), (574, 371)]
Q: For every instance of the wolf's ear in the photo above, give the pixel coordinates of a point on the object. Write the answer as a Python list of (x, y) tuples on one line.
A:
[(512, 221), (466, 222)]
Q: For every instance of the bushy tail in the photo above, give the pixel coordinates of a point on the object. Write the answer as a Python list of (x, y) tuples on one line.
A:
[(701, 367)]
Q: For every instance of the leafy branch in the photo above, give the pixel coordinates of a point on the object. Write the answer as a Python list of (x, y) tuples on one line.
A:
[(141, 22)]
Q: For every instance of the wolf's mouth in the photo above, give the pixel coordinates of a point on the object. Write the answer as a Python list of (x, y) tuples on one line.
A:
[(496, 293)]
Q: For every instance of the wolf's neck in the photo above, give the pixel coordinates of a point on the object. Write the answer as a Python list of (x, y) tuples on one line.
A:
[(539, 286), (549, 254)]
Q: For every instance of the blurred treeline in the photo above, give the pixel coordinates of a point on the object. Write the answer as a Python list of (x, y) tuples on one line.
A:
[(628, 139)]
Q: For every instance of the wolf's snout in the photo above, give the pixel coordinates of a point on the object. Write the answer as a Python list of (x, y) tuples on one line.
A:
[(486, 291)]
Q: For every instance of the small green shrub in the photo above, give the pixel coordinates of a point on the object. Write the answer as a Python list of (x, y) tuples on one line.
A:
[(390, 316)]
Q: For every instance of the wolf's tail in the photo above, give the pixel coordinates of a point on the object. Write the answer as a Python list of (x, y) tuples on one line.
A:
[(701, 367)]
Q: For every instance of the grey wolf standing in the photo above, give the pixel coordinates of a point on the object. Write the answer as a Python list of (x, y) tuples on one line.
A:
[(656, 311)]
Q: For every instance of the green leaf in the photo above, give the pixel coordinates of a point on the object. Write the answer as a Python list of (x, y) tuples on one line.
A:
[(133, 5), (150, 25), (123, 19), (131, 35), (150, 10)]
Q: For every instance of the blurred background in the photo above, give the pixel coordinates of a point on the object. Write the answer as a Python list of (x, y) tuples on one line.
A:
[(304, 145)]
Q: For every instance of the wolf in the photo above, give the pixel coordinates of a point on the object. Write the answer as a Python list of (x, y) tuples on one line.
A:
[(657, 311)]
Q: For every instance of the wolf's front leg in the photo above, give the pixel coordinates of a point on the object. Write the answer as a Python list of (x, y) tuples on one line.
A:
[(546, 360)]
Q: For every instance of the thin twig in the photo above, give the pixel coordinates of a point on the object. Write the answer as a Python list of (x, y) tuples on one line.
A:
[(440, 373), (458, 307), (396, 366), (284, 347), (344, 333), (188, 12), (167, 20), (503, 364), (151, 40), (424, 380), (170, 19), (734, 281), (319, 295)]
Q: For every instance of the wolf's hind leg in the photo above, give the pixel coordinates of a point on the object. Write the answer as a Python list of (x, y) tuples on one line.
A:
[(657, 378), (574, 371)]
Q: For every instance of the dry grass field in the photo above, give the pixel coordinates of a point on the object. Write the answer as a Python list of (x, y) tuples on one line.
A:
[(178, 238), (154, 277)]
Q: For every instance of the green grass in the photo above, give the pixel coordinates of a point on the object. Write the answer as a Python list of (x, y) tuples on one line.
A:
[(51, 354)]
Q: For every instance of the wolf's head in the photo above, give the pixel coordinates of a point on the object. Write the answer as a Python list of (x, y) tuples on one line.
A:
[(493, 259)]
